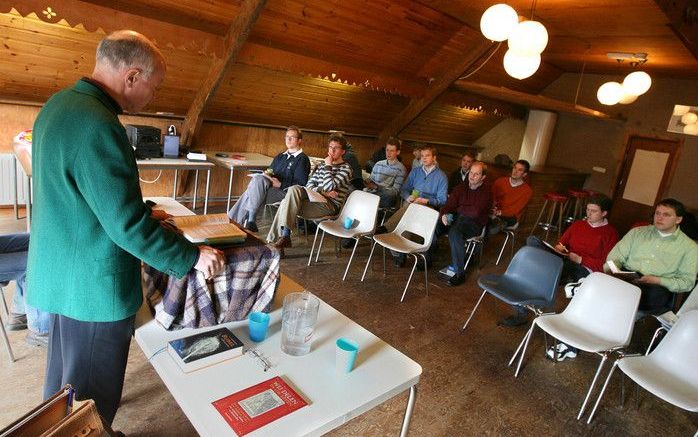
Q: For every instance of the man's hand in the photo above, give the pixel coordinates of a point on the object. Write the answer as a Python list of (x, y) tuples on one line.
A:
[(328, 160), (159, 214), (649, 279), (275, 182), (444, 219), (370, 184), (331, 194), (575, 258), (421, 201), (410, 199), (211, 261)]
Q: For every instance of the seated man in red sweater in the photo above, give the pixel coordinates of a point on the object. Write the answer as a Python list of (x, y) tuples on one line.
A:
[(586, 244), (511, 194), (469, 205)]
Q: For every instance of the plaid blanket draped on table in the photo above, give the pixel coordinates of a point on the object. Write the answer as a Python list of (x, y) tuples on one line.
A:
[(247, 284)]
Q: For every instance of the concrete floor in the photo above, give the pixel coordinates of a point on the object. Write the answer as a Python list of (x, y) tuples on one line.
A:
[(466, 387)]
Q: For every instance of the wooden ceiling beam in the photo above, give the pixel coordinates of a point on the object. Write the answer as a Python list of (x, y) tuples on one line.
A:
[(529, 100), (417, 105), (683, 21), (237, 35)]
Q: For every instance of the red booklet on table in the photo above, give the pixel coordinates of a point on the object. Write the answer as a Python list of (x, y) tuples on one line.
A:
[(256, 406)]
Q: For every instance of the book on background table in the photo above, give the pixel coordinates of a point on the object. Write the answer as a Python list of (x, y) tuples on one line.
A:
[(259, 405), (314, 196), (197, 156), (204, 349), (627, 275), (208, 229)]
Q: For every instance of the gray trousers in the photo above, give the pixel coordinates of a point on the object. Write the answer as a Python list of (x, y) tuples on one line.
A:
[(258, 193), (294, 204)]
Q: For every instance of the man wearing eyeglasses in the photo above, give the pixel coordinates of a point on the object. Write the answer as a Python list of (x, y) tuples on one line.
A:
[(288, 168), (323, 195)]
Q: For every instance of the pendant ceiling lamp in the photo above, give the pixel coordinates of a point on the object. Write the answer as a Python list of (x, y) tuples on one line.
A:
[(635, 84), (527, 39)]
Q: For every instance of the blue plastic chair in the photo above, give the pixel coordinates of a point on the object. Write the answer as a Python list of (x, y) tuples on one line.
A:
[(530, 281)]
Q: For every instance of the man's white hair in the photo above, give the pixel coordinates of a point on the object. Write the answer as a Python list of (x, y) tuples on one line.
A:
[(129, 49)]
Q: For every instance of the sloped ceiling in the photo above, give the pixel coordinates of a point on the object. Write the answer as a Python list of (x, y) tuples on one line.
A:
[(346, 65)]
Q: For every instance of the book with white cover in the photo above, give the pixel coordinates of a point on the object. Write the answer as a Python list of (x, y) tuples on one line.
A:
[(623, 274)]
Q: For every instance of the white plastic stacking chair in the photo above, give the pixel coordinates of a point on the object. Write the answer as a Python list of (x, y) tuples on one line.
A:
[(472, 244), (669, 372), (419, 220), (599, 319), (691, 303), (362, 208)]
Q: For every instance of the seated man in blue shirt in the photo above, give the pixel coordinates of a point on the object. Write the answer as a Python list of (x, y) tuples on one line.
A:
[(425, 185), (288, 168), (388, 175), (13, 267)]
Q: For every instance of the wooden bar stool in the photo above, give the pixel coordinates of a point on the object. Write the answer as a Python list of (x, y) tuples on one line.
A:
[(576, 210), (557, 204)]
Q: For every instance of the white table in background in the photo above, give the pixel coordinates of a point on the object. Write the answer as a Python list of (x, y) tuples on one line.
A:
[(170, 206), (252, 160), (177, 164)]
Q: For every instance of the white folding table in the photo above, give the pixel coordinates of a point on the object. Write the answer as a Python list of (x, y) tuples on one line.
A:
[(231, 160), (177, 164)]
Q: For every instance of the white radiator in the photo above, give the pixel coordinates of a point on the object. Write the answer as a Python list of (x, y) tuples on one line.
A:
[(7, 185)]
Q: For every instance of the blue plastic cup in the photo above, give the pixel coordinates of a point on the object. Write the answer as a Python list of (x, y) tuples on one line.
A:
[(259, 323), (348, 222), (347, 350)]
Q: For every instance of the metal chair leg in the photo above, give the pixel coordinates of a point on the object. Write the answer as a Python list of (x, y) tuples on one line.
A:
[(506, 240), (310, 258), (604, 357), (523, 340), (654, 337), (523, 352), (350, 258), (426, 277), (373, 246), (4, 302), (322, 240), (472, 313), (410, 278), (7, 342), (603, 390)]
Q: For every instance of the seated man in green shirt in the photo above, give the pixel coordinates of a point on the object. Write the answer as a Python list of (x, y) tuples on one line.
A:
[(666, 258)]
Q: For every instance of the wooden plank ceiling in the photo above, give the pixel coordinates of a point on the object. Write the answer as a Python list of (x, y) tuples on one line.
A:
[(332, 64)]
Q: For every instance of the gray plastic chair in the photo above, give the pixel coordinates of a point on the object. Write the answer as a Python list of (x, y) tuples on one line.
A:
[(530, 281)]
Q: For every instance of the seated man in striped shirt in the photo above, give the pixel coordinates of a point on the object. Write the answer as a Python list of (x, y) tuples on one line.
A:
[(331, 180), (387, 175)]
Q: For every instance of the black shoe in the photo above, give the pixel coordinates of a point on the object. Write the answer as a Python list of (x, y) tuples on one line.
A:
[(456, 280), (348, 243), (251, 226), (513, 321), (16, 322)]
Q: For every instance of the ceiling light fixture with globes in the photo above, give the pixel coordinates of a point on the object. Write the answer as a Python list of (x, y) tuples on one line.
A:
[(526, 39), (634, 85)]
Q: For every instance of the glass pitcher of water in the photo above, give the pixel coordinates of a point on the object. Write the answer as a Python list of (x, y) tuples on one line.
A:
[(298, 322)]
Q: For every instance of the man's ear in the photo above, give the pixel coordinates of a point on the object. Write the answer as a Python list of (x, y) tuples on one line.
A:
[(679, 220), (132, 76)]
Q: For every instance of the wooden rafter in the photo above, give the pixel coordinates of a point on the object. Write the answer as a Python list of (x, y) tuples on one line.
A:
[(417, 105), (528, 100), (237, 35)]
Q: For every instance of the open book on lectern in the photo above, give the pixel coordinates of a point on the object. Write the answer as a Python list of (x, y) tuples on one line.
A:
[(208, 229)]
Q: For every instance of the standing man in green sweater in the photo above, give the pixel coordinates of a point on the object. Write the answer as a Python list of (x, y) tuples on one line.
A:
[(91, 229)]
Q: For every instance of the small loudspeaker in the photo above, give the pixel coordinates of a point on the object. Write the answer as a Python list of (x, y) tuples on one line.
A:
[(170, 146)]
